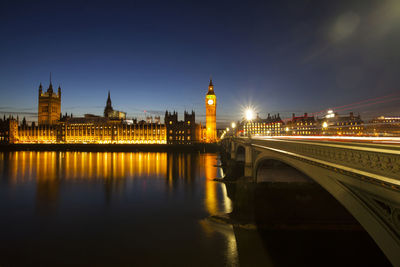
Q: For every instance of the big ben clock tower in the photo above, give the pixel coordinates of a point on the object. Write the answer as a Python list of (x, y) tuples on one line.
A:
[(211, 114)]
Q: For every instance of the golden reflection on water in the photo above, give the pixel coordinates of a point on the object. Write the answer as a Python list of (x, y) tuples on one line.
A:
[(216, 198), (211, 200), (23, 166), (48, 170)]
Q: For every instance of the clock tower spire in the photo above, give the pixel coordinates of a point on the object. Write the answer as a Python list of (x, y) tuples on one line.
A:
[(211, 114)]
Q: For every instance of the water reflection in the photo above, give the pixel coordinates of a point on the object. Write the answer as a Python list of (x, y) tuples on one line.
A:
[(166, 194), (48, 169)]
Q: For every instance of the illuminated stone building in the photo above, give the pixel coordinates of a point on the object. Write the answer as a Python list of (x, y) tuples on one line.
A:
[(49, 108), (93, 130), (182, 132), (106, 132), (272, 125), (37, 134), (335, 124), (302, 125), (111, 128), (8, 130), (384, 126), (211, 114)]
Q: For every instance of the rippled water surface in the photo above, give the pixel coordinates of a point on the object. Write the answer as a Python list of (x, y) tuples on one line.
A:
[(105, 209)]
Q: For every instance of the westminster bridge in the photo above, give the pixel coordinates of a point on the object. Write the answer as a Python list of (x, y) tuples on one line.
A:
[(363, 176)]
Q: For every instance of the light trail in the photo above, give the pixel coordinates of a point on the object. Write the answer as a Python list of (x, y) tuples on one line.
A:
[(368, 139), (373, 103), (377, 100)]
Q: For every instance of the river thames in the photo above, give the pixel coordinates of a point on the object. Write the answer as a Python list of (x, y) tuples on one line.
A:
[(142, 209)]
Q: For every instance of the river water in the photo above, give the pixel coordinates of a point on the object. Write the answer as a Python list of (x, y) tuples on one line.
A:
[(135, 209)]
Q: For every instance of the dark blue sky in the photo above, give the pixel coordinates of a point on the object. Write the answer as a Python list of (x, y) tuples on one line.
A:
[(286, 56)]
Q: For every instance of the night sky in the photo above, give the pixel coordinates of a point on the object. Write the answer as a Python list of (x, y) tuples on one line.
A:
[(286, 56)]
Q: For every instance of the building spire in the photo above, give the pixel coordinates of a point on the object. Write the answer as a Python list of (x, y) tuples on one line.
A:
[(108, 107), (211, 84), (50, 89)]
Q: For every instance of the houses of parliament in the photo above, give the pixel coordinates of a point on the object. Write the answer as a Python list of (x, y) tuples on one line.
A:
[(111, 128)]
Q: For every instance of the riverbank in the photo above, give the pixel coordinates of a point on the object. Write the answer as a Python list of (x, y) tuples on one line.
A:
[(200, 147)]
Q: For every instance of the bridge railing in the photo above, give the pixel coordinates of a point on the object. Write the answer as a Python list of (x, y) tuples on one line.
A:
[(375, 160)]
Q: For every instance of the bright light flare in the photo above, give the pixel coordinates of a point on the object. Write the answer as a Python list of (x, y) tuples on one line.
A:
[(249, 114), (330, 114), (233, 125)]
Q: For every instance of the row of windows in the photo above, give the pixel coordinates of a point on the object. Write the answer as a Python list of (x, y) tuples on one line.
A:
[(264, 126), (261, 124), (311, 124), (179, 138), (109, 131), (170, 122), (346, 123), (107, 127), (179, 132)]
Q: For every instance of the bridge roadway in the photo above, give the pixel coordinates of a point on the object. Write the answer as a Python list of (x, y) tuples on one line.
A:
[(363, 176)]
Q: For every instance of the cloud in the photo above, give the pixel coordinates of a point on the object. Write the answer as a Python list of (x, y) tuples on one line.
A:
[(345, 25), (155, 112), (19, 113)]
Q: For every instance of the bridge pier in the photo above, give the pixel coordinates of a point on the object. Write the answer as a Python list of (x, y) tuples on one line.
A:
[(233, 151), (248, 161)]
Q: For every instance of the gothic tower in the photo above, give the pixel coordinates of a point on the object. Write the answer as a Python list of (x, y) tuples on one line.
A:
[(49, 108), (108, 109), (211, 114)]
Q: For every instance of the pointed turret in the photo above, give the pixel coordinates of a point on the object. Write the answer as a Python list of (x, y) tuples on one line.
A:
[(40, 89), (109, 99), (50, 89)]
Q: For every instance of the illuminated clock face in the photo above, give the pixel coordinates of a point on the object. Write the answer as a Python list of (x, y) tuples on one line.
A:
[(210, 101)]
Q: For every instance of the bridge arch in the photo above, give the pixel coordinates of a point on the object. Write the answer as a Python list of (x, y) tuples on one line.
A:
[(346, 190), (272, 169)]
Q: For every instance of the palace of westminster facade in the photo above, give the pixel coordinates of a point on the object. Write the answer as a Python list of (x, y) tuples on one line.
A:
[(112, 128)]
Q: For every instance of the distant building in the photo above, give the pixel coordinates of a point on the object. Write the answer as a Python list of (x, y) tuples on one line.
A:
[(384, 126), (181, 132), (81, 130), (271, 126), (302, 125), (335, 124), (8, 130), (113, 127), (49, 108)]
